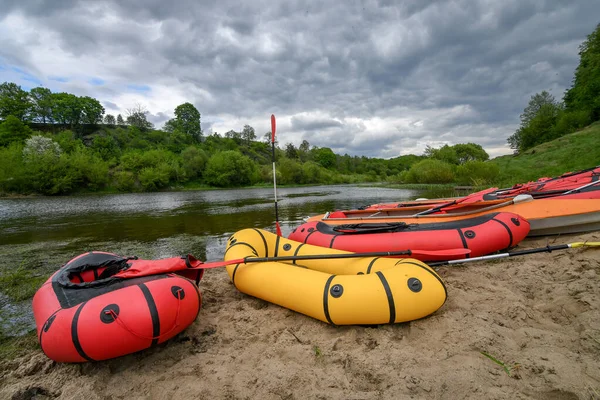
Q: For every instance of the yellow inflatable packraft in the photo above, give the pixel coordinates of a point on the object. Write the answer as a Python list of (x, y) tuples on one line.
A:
[(349, 291)]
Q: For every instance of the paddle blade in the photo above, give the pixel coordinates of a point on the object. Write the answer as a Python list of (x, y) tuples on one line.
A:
[(277, 228), (584, 244), (273, 128), (441, 253)]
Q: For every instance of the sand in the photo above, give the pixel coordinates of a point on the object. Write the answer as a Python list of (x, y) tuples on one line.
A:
[(538, 314)]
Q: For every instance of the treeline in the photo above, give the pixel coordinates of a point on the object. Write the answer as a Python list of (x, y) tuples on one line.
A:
[(103, 152), (546, 118)]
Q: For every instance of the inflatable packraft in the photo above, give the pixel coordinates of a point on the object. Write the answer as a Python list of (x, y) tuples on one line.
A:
[(100, 305), (482, 235), (339, 291)]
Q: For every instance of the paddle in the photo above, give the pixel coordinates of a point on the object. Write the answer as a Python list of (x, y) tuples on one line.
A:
[(581, 187), (454, 202), (425, 253), (273, 128), (517, 253)]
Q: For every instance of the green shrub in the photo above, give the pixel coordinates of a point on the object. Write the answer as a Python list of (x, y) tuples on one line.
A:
[(12, 130), (570, 121), (289, 171), (231, 168), (12, 169), (194, 161), (431, 171), (154, 178), (124, 181), (106, 147), (477, 173)]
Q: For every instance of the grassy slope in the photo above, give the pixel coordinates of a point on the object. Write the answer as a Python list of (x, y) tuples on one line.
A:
[(577, 151)]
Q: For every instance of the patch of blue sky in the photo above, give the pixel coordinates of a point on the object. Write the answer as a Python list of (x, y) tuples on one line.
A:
[(62, 79), (96, 81), (31, 78), (139, 88)]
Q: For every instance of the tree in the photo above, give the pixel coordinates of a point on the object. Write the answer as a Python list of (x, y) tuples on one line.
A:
[(470, 152), (445, 153), (42, 104), (539, 102), (540, 129), (187, 120), (248, 134), (304, 151), (67, 109), (12, 130), (136, 117), (120, 121), (170, 126), (14, 101), (536, 102), (585, 92), (237, 136), (92, 110), (290, 151), (109, 119), (325, 157)]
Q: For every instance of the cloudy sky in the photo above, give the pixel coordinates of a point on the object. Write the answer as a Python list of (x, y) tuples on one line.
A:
[(375, 78)]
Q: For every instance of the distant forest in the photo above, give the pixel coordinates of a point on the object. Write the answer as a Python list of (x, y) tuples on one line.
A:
[(59, 143)]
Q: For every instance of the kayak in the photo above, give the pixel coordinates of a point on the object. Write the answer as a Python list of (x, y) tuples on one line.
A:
[(482, 235), (338, 291), (582, 184), (555, 215), (100, 305)]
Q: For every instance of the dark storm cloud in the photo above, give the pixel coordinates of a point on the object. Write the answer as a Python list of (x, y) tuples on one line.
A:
[(378, 78)]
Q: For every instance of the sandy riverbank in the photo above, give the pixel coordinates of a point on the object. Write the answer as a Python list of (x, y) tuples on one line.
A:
[(539, 314)]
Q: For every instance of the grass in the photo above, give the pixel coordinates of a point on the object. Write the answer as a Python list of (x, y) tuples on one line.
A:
[(506, 368), (21, 283), (576, 151), (317, 350), (13, 347)]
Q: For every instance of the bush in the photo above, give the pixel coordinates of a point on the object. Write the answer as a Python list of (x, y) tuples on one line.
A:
[(12, 170), (230, 168), (312, 173), (289, 172), (570, 121), (38, 146), (106, 147), (12, 130), (431, 171), (124, 181), (86, 169), (67, 141), (194, 161), (477, 173), (154, 178)]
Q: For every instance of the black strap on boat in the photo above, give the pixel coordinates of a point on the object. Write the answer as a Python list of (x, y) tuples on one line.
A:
[(372, 227)]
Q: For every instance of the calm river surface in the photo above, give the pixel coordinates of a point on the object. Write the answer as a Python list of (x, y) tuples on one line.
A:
[(41, 234)]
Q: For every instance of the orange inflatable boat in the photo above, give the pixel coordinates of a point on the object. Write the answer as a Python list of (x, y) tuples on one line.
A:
[(549, 216)]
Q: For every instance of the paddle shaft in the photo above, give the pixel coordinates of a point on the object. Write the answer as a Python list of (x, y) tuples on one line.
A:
[(273, 129), (547, 249)]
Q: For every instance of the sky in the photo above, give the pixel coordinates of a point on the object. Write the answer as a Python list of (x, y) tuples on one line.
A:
[(367, 78)]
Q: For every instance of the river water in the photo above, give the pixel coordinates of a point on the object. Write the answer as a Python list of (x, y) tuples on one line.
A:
[(41, 234)]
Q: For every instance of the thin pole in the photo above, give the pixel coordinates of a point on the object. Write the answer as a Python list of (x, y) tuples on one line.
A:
[(273, 129)]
